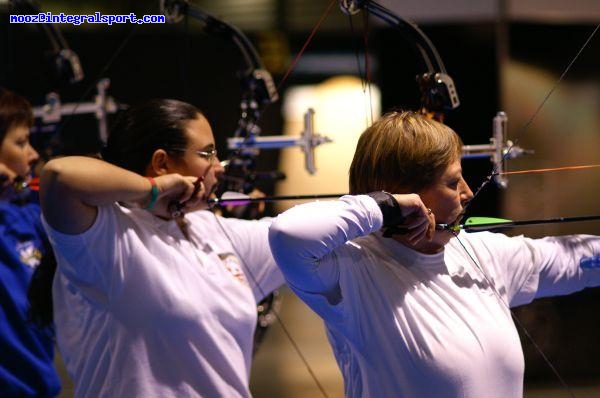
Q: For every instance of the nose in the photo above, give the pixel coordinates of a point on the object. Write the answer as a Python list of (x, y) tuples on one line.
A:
[(465, 193), (32, 155), (218, 167)]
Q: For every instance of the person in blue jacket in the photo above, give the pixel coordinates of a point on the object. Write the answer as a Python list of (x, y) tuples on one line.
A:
[(26, 350)]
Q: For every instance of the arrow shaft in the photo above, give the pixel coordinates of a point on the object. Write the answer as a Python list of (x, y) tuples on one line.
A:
[(536, 171), (224, 202), (487, 226)]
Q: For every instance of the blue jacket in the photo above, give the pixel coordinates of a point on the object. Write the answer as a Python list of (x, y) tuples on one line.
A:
[(26, 351)]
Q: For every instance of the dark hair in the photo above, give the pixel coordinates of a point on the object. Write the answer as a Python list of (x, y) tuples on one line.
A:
[(402, 152), (155, 124), (14, 111)]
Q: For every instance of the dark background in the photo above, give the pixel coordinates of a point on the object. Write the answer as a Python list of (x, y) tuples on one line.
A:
[(180, 61)]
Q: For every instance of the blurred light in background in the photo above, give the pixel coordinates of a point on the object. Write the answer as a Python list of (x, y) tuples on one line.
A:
[(344, 106)]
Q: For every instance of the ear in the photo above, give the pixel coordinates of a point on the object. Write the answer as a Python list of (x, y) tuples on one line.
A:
[(159, 163)]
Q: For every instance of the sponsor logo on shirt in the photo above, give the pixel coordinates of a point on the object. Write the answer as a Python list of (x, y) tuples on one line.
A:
[(29, 254), (232, 265)]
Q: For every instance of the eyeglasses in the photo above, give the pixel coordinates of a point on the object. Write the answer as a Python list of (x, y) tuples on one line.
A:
[(208, 155)]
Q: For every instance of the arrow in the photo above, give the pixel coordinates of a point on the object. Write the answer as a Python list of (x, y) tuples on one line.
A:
[(473, 224), (240, 199)]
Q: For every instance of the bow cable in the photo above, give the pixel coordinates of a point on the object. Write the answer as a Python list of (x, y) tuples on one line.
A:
[(526, 126)]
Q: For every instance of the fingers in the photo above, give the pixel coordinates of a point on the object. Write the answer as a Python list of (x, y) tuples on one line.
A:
[(417, 233), (430, 225), (420, 219), (421, 226), (194, 190), (7, 176), (179, 194), (192, 199)]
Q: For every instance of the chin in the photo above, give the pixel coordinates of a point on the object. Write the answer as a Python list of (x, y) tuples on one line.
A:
[(442, 237), (211, 192), (453, 220)]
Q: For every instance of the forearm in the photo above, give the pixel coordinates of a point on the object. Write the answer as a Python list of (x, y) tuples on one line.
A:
[(561, 272), (304, 238), (72, 188), (91, 181)]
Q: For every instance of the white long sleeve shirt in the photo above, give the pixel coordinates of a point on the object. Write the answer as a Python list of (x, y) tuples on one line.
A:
[(142, 311), (407, 324)]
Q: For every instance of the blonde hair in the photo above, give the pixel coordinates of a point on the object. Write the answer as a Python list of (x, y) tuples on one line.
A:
[(402, 152)]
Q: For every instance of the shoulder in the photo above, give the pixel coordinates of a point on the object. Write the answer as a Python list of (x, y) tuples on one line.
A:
[(20, 218), (107, 221), (29, 209), (492, 241), (495, 251)]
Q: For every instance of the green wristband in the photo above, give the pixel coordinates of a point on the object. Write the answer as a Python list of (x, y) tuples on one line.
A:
[(153, 194)]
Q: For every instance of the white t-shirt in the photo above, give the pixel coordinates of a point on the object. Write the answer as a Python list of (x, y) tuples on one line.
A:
[(140, 311), (407, 324)]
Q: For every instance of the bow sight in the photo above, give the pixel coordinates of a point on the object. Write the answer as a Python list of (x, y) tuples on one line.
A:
[(258, 91)]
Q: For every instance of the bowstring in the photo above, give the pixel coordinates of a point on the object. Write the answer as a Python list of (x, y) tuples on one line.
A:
[(107, 66), (287, 73), (486, 181), (494, 171), (364, 76), (526, 126), (274, 311), (113, 57), (368, 61), (516, 319), (290, 69)]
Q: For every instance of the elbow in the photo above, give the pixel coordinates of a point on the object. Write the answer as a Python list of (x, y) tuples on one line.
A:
[(284, 247), (52, 181), (285, 233), (290, 246), (50, 175), (52, 167), (277, 240)]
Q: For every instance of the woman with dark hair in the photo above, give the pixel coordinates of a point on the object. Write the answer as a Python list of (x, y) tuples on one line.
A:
[(153, 296), (411, 311), (27, 351)]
